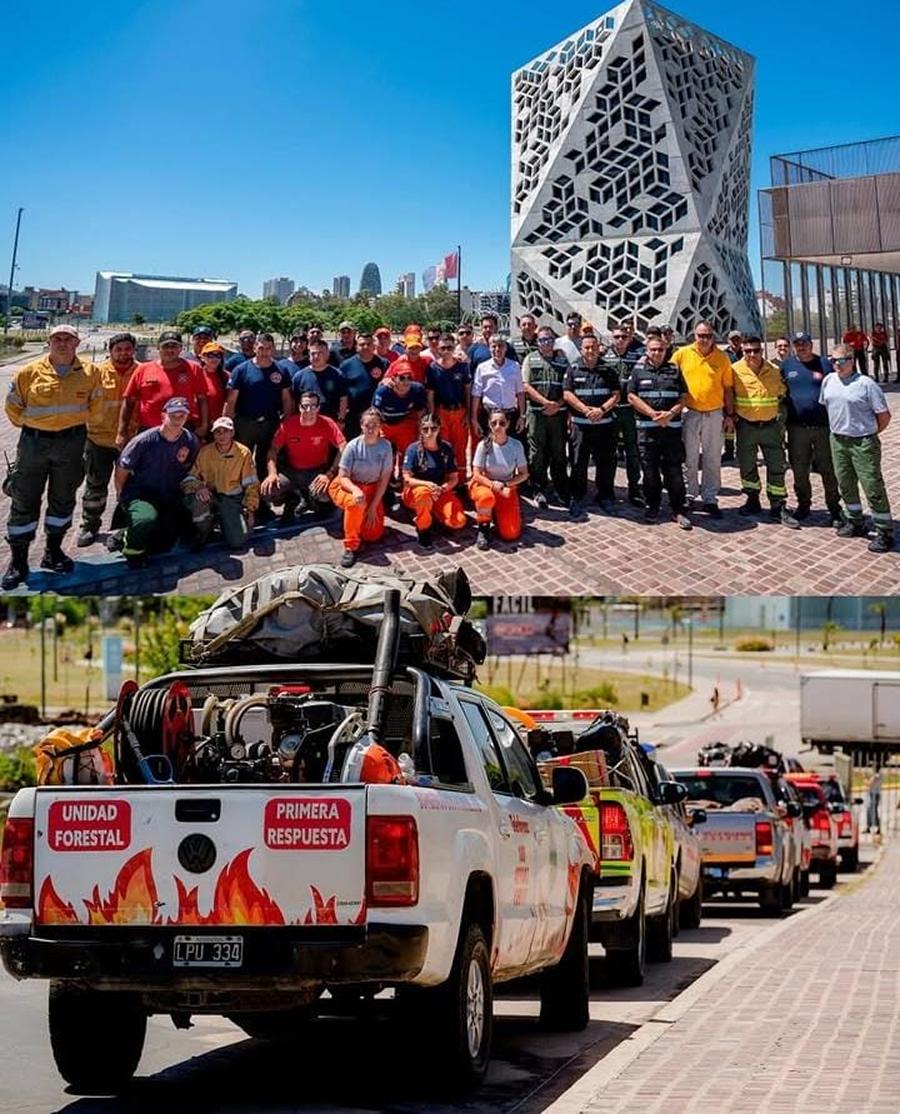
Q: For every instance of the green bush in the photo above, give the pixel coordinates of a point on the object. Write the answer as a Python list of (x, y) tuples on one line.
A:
[(17, 769), (600, 696), (549, 698), (754, 645), (500, 694)]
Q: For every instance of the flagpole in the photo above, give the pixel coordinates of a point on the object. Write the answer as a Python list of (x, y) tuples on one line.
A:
[(458, 284)]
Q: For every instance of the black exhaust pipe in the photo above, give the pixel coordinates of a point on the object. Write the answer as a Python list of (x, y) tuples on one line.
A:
[(386, 653)]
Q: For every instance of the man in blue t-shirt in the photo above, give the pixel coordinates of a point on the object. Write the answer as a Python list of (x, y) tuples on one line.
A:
[(299, 357), (323, 379), (259, 395), (247, 341), (149, 474), (808, 442), (361, 374)]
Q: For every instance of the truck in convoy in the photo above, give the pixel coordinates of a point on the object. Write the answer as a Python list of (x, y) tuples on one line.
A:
[(850, 710), (274, 829), (746, 843)]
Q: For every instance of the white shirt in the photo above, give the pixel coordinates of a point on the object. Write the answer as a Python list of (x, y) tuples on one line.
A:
[(569, 349), (498, 387)]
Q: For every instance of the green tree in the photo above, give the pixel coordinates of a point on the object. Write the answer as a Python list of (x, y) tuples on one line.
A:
[(137, 319)]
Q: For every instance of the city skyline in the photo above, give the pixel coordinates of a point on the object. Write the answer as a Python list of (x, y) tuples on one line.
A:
[(252, 231)]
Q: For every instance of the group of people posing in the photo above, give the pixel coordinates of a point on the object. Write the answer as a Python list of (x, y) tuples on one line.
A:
[(223, 441)]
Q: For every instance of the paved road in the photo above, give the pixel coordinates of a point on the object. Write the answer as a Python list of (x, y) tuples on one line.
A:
[(353, 1067), (599, 556)]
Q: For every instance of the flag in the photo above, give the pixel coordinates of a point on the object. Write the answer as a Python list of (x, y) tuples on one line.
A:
[(451, 265), (429, 278)]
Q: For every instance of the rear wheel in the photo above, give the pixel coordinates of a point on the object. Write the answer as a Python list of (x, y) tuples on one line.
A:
[(691, 911), (770, 898), (627, 964), (97, 1037), (804, 883), (787, 894), (566, 988), (850, 860), (828, 875), (661, 929)]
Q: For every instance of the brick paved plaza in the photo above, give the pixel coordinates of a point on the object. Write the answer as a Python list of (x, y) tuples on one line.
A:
[(733, 556), (809, 1021)]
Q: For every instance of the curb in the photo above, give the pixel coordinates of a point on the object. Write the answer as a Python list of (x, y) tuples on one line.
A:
[(576, 1099)]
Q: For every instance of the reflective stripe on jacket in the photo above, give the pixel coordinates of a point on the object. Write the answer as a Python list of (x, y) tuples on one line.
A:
[(39, 398)]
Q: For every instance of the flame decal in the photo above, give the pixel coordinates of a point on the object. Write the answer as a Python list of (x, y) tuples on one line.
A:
[(325, 911), (132, 900), (237, 899), (51, 909)]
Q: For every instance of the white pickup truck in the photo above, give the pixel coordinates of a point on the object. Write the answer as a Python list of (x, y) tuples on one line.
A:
[(248, 865)]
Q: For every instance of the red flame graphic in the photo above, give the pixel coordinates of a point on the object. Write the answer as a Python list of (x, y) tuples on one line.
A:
[(51, 909), (132, 900)]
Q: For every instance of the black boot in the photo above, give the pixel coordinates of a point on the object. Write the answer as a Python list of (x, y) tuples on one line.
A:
[(752, 506), (17, 573), (54, 560), (483, 540)]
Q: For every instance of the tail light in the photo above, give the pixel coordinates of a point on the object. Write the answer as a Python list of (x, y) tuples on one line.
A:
[(392, 861), (764, 837), (846, 826), (615, 833), (17, 864), (821, 821)]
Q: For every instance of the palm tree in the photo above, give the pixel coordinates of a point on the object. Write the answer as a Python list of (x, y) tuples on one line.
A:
[(880, 609)]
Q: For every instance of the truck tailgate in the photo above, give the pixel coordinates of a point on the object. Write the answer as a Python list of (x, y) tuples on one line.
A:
[(728, 837), (200, 855)]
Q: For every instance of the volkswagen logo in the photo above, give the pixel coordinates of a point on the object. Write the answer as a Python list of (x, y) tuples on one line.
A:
[(197, 853)]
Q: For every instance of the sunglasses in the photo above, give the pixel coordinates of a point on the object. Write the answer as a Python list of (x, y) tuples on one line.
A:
[(402, 378), (545, 340), (842, 359), (753, 351), (309, 406), (445, 348)]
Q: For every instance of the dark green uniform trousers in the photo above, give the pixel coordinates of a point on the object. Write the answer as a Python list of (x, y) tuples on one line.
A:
[(768, 436), (229, 509), (153, 527), (809, 447), (857, 464), (626, 434), (547, 449), (45, 460), (99, 462), (257, 435)]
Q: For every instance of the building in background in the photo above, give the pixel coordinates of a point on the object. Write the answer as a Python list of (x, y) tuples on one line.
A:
[(630, 184), (340, 286), (122, 295), (279, 288), (829, 230), (406, 284), (769, 613), (370, 283)]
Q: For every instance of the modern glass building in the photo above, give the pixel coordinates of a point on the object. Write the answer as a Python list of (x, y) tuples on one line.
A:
[(830, 240), (121, 296), (370, 283)]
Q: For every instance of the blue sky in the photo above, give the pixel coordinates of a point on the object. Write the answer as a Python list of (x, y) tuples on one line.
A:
[(282, 137)]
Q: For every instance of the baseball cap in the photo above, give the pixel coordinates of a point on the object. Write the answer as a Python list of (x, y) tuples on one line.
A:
[(299, 334), (213, 346), (223, 423), (203, 331), (413, 337), (64, 331), (735, 334), (801, 338), (346, 325), (587, 329), (169, 336), (246, 333), (177, 404), (382, 331)]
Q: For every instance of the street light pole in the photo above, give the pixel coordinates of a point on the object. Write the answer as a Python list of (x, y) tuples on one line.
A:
[(690, 626), (12, 272)]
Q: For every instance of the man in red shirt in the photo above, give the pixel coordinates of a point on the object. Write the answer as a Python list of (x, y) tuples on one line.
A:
[(881, 356), (303, 460), (412, 363), (859, 342), (383, 344), (155, 382)]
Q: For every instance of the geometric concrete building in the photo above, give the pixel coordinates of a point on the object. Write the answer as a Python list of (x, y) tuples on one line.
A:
[(631, 176)]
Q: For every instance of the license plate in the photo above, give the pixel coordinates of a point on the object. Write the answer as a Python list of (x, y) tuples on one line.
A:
[(208, 951)]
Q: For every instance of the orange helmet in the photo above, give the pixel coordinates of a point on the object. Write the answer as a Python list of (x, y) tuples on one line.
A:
[(379, 766)]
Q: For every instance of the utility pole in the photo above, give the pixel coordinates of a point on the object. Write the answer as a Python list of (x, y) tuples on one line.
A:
[(12, 272), (690, 626)]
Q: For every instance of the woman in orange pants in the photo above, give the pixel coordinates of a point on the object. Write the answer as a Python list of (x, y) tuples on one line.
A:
[(429, 476), (358, 489), (498, 468)]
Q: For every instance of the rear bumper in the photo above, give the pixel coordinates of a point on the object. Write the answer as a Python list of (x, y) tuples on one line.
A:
[(717, 876), (276, 958)]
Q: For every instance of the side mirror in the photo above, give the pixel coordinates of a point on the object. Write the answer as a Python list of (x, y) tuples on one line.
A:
[(569, 785), (697, 816), (670, 793), (858, 801), (794, 809), (837, 806)]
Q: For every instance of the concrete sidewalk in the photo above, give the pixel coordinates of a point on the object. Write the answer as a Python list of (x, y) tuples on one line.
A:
[(806, 1021)]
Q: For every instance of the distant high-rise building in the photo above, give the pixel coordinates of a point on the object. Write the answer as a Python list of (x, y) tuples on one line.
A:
[(429, 278), (406, 284), (119, 295), (340, 286), (370, 283), (280, 288)]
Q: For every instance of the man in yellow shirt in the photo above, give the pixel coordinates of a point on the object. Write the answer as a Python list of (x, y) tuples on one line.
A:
[(223, 483), (758, 392), (101, 449), (51, 401), (709, 413)]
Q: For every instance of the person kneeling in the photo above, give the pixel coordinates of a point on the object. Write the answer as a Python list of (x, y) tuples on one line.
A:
[(358, 489), (429, 477), (498, 469), (302, 461), (148, 480), (223, 485)]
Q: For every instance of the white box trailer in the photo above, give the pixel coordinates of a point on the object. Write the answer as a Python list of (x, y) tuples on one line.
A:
[(850, 708)]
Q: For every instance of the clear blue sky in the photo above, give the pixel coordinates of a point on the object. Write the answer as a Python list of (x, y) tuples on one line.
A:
[(284, 137)]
